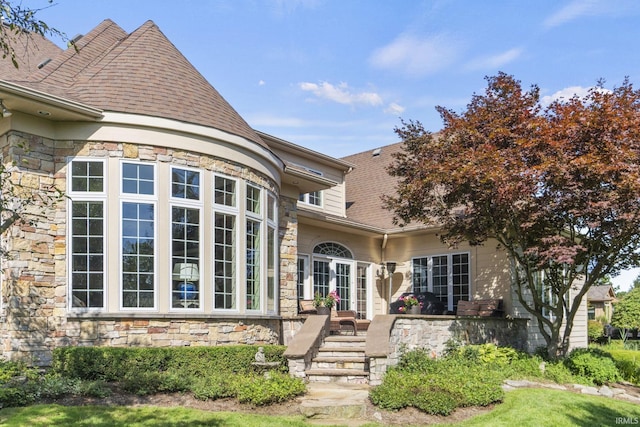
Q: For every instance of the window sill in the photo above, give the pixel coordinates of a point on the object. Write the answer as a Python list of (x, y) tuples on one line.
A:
[(178, 315)]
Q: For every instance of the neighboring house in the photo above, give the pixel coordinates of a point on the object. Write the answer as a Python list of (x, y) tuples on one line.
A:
[(185, 226), (600, 301)]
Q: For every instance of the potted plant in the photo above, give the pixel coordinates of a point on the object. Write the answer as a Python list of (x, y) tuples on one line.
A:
[(411, 305), (324, 305)]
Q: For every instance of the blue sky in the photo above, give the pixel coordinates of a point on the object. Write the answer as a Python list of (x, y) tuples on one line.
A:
[(336, 76)]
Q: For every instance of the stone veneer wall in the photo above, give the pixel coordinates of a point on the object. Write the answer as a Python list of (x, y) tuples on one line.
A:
[(288, 229), (166, 332), (433, 333), (34, 318)]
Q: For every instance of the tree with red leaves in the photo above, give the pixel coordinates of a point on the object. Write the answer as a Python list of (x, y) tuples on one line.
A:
[(557, 187)]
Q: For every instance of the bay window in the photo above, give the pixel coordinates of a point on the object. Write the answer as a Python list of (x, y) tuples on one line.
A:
[(174, 247)]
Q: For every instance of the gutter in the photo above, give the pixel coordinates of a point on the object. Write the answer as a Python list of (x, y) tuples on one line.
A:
[(54, 101)]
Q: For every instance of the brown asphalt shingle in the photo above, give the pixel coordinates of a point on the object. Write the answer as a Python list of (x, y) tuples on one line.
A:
[(366, 184), (30, 51), (138, 73)]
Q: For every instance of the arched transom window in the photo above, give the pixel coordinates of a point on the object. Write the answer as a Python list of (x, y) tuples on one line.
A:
[(332, 249)]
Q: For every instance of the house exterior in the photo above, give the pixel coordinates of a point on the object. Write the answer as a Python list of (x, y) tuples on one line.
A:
[(182, 225), (600, 300)]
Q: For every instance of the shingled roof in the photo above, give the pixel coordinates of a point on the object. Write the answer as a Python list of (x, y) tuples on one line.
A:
[(31, 50), (138, 73), (366, 185)]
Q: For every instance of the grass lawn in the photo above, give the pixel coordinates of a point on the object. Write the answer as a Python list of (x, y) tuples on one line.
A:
[(543, 407), (523, 407), (103, 416)]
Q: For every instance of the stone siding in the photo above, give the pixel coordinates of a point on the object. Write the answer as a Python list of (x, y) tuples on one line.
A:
[(35, 318), (433, 333), (288, 228)]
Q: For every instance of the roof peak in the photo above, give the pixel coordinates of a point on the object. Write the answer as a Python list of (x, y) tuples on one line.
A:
[(141, 72)]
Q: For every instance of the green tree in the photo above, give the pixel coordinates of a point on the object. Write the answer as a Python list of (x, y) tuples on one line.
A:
[(626, 312), (18, 20), (557, 187)]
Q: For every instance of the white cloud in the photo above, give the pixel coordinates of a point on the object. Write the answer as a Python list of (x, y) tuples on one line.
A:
[(394, 109), (579, 8), (495, 61), (261, 83), (568, 93), (416, 56), (341, 94)]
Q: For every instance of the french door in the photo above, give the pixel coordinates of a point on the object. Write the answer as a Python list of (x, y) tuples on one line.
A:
[(335, 275)]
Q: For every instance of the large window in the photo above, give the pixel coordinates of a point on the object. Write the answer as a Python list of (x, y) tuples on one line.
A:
[(225, 290), (138, 255), (87, 234), (185, 238), (185, 260), (272, 254), (138, 236), (447, 276), (224, 263)]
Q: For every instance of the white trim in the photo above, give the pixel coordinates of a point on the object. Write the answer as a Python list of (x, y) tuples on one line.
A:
[(429, 273), (86, 196), (235, 209), (105, 182), (185, 200), (236, 261)]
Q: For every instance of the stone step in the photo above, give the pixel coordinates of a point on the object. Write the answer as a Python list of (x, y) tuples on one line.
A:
[(340, 352), (344, 376), (345, 338), (341, 363), (334, 401)]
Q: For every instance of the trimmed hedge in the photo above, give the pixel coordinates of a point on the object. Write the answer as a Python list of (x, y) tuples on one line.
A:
[(113, 364), (207, 372)]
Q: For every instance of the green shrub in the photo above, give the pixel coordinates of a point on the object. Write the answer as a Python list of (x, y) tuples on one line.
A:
[(55, 386), (438, 386), (111, 364), (396, 390), (628, 364), (436, 402), (632, 345), (263, 390), (593, 364), (419, 360), (18, 384), (559, 373), (96, 388), (143, 383), (213, 386), (595, 330), (629, 370)]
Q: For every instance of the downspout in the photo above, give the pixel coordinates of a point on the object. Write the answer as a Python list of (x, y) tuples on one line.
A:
[(383, 247)]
